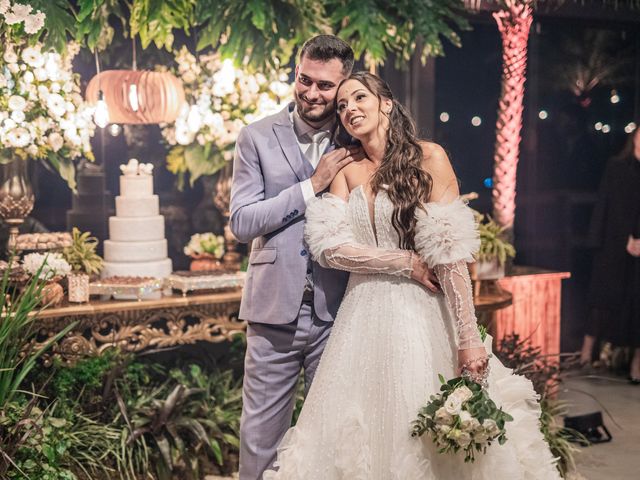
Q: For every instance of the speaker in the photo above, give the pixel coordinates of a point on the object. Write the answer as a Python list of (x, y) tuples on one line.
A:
[(590, 426)]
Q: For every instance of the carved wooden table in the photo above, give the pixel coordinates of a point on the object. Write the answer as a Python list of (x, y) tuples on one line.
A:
[(133, 326)]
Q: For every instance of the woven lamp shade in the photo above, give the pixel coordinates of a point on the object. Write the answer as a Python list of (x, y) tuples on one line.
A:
[(160, 95)]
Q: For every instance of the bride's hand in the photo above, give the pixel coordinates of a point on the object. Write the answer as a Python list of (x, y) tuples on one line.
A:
[(473, 360), (423, 274)]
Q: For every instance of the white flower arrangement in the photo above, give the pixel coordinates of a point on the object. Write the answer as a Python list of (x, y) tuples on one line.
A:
[(205, 244), (462, 417), (49, 265), (221, 100), (42, 114)]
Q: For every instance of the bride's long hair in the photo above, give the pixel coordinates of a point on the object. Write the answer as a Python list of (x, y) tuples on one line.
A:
[(401, 167)]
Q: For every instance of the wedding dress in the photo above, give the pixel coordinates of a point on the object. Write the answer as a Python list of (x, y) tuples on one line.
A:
[(390, 341)]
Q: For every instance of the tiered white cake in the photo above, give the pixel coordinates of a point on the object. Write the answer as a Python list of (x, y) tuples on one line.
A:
[(136, 245)]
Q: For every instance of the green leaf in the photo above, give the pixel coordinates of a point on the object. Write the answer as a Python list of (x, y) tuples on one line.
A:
[(59, 24), (217, 451)]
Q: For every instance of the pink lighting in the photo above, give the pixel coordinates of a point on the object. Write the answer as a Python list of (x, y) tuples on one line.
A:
[(514, 23)]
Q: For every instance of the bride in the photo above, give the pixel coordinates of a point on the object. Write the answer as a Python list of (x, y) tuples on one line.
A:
[(385, 218)]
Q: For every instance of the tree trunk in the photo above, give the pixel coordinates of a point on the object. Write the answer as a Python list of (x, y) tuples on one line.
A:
[(514, 23)]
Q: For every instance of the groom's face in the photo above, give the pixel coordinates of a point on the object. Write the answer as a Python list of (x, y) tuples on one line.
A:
[(315, 89)]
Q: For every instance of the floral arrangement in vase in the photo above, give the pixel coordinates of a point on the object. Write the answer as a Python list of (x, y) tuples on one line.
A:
[(50, 267), (206, 250), (221, 100), (42, 114), (84, 261)]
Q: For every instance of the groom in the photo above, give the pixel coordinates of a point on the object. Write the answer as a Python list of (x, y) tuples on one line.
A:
[(288, 300)]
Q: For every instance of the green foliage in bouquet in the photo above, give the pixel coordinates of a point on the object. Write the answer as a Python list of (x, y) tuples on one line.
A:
[(81, 254), (462, 417), (493, 245)]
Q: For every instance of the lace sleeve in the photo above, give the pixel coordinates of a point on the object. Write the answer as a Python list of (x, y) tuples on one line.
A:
[(456, 285), (358, 258), (332, 244)]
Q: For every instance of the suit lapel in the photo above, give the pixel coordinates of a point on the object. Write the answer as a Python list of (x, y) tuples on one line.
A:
[(283, 130)]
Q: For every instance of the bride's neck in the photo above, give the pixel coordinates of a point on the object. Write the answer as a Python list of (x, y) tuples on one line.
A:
[(374, 146)]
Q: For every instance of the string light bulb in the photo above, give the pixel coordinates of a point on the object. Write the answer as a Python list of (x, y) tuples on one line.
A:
[(101, 114), (133, 97)]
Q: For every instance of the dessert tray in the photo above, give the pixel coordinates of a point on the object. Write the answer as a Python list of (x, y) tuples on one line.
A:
[(127, 288), (188, 281), (43, 241)]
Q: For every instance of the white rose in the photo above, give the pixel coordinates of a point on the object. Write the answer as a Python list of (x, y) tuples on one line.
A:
[(464, 393), (19, 137), (33, 57), (33, 23), (18, 116), (21, 11), (464, 439), (480, 437), (41, 74), (453, 405), (442, 417), (12, 19), (443, 429), (10, 56), (465, 421), (491, 428), (16, 102), (56, 141), (56, 104)]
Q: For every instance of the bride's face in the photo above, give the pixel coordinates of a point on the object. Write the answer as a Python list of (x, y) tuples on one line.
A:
[(360, 111)]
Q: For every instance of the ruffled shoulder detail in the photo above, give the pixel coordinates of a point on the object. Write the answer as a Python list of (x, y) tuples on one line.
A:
[(327, 225), (446, 233)]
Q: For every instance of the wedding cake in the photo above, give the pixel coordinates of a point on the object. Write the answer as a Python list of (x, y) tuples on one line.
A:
[(136, 245)]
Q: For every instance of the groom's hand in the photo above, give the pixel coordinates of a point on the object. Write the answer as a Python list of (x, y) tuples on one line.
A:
[(331, 163)]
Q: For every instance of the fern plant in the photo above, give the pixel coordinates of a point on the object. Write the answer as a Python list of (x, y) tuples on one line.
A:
[(82, 255), (492, 242)]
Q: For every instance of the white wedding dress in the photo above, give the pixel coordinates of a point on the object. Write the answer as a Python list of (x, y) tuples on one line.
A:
[(390, 341)]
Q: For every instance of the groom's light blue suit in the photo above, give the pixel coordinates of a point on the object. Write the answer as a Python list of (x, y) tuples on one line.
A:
[(288, 328)]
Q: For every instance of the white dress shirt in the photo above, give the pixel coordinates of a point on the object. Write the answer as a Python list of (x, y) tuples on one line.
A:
[(305, 135)]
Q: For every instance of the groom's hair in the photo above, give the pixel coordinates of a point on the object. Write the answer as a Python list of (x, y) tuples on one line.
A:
[(328, 47)]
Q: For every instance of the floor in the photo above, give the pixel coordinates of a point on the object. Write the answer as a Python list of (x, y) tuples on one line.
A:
[(620, 458)]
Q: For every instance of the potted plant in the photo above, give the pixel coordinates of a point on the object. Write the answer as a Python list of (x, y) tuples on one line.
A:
[(206, 251), (494, 250), (50, 268), (84, 261)]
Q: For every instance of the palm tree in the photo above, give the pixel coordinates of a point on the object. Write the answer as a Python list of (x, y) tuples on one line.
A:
[(514, 22)]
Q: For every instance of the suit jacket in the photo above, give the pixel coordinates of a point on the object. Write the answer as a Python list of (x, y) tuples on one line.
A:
[(267, 209)]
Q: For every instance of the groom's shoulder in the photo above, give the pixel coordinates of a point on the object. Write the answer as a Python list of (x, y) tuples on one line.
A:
[(265, 124)]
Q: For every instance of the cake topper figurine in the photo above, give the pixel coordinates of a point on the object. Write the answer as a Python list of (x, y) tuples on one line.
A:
[(133, 167)]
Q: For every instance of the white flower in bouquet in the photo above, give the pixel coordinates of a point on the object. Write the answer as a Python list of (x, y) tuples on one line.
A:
[(453, 405), (463, 393), (221, 100), (205, 243), (47, 265), (491, 427), (448, 419), (442, 417)]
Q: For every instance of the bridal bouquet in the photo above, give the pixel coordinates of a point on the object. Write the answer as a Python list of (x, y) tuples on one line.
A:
[(461, 417)]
